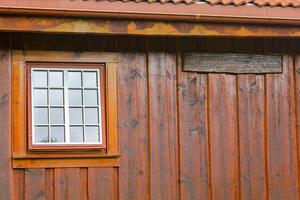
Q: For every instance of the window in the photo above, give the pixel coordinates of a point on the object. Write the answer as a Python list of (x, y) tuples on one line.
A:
[(62, 84), (66, 105)]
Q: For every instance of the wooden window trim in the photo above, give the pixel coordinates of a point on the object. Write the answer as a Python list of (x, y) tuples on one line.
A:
[(22, 155), (101, 67)]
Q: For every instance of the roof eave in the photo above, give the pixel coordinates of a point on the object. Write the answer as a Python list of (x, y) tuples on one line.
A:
[(156, 11)]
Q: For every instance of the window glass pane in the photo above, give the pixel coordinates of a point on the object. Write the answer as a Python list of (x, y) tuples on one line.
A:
[(48, 100), (75, 97), (41, 134), (40, 97), (56, 79), (90, 79), (56, 96), (92, 134), (40, 78), (56, 115), (91, 116), (41, 115), (75, 115), (76, 134), (90, 97), (74, 79), (57, 134)]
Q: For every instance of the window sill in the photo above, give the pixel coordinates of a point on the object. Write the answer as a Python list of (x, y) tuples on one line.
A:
[(67, 148), (59, 162), (65, 156)]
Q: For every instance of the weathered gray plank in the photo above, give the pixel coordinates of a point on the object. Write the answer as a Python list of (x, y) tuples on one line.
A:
[(232, 63)]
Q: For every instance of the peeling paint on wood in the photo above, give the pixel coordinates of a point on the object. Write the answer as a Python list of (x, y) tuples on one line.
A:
[(137, 27)]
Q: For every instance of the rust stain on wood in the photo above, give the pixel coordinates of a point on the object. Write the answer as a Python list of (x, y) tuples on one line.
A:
[(132, 27)]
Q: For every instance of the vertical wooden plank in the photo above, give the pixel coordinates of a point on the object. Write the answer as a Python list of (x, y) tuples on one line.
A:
[(191, 44), (19, 184), (248, 46), (84, 183), (67, 184), (5, 133), (297, 104), (19, 109), (130, 43), (34, 184), (193, 123), (251, 100), (223, 136), (281, 134), (163, 126), (116, 178), (215, 44), (49, 184), (132, 126), (111, 109), (101, 183)]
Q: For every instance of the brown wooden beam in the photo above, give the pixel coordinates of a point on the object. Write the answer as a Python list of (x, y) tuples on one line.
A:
[(136, 27)]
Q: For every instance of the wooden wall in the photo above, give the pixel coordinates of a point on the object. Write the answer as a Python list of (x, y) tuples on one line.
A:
[(5, 138), (183, 135)]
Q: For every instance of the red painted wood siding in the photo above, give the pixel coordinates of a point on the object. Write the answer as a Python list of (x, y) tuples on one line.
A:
[(188, 135)]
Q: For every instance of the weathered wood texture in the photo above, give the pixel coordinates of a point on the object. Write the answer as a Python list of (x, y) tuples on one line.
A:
[(281, 133), (163, 126), (133, 124), (143, 27), (103, 184), (66, 183), (5, 130), (232, 63), (251, 101), (223, 125), (186, 135), (193, 130)]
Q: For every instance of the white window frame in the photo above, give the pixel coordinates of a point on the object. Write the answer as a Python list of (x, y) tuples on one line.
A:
[(66, 106)]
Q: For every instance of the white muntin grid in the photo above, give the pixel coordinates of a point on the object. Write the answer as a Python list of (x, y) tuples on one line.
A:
[(65, 88)]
